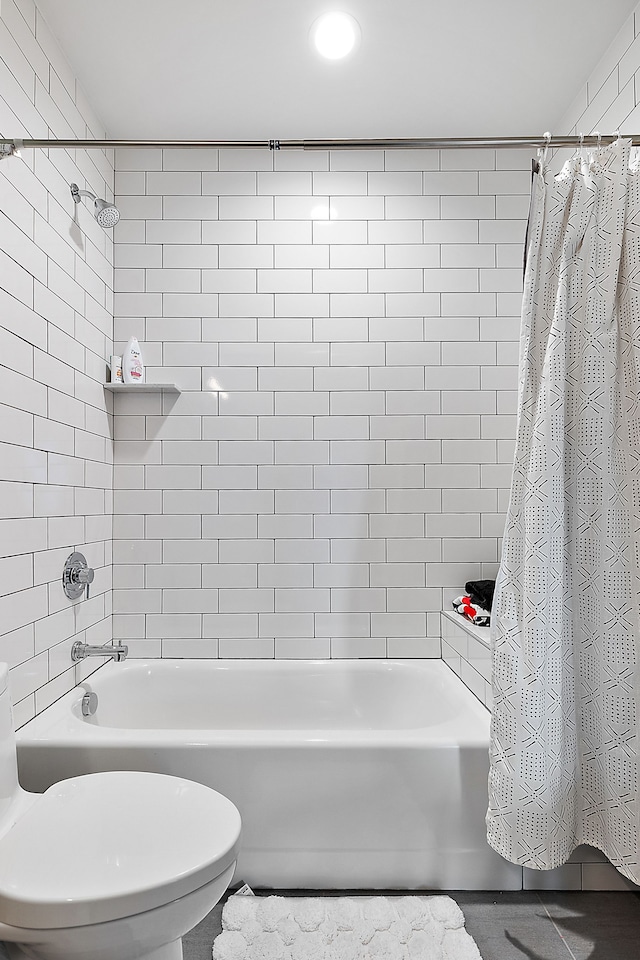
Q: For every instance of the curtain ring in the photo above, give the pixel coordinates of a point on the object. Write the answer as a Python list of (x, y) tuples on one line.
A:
[(597, 134), (543, 151)]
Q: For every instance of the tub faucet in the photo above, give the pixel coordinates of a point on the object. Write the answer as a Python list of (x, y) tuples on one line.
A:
[(116, 652)]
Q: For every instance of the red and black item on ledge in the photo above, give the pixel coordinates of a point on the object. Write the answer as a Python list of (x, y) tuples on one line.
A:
[(477, 615), (480, 592)]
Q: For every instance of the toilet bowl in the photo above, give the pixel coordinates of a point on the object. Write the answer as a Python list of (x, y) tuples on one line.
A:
[(108, 866)]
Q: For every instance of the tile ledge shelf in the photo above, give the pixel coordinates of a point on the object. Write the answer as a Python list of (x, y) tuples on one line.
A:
[(141, 387), (480, 633)]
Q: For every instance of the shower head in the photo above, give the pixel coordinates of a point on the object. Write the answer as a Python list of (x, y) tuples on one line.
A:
[(107, 214)]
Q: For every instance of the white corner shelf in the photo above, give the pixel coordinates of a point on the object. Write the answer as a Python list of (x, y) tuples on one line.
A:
[(483, 634), (141, 387)]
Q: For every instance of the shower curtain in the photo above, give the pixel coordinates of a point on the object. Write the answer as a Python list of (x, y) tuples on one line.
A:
[(565, 621)]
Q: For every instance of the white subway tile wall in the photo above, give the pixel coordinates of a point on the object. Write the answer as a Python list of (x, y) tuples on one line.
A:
[(343, 327), (56, 328)]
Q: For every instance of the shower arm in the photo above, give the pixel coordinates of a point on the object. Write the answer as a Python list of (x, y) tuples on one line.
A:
[(76, 193)]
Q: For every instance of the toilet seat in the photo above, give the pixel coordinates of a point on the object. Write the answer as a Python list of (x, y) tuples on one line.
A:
[(105, 846)]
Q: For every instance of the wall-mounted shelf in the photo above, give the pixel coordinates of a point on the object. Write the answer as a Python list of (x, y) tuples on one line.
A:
[(141, 387)]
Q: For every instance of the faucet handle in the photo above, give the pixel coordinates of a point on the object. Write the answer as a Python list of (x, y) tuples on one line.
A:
[(76, 576), (85, 576)]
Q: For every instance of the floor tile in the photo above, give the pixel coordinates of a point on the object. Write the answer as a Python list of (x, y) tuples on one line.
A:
[(597, 926), (197, 944)]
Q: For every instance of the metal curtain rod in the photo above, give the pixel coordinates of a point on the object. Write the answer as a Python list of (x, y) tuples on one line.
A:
[(9, 147)]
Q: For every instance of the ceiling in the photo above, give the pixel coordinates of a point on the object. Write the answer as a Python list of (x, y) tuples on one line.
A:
[(244, 69)]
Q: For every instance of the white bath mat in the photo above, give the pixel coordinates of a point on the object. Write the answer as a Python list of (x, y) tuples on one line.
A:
[(342, 928)]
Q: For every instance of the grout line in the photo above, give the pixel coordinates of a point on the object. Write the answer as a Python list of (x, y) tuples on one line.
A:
[(557, 929)]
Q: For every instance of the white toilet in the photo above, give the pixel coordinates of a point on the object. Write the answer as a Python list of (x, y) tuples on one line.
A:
[(108, 866)]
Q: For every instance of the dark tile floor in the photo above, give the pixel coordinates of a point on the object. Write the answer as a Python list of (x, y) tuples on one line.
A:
[(511, 926)]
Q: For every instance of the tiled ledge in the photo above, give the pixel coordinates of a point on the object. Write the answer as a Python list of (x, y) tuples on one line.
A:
[(465, 648)]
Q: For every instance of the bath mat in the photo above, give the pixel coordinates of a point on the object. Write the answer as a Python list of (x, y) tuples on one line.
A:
[(343, 928)]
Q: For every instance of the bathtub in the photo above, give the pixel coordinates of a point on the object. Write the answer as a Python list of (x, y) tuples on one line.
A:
[(348, 774)]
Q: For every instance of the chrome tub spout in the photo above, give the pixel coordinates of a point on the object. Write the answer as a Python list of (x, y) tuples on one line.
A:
[(116, 651)]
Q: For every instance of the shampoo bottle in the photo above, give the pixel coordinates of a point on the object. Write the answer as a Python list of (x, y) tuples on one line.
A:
[(132, 365)]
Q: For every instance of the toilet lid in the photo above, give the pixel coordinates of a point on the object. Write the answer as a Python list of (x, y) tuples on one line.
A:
[(109, 845)]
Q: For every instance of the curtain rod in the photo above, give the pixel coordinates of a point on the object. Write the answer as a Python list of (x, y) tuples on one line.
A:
[(9, 147)]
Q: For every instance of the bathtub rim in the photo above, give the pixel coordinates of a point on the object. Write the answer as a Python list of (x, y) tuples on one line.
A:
[(61, 722)]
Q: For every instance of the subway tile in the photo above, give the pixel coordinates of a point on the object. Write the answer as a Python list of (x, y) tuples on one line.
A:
[(356, 208), (339, 231), (229, 527), (286, 575), (285, 477), (230, 625), (341, 575), (284, 183), (344, 256), (343, 624), (229, 477), (285, 526), (301, 551), (297, 625), (285, 331), (447, 182), (292, 648), (411, 159), (244, 255), (228, 232), (296, 403), (300, 600), (245, 159), (395, 183), (397, 375), (413, 501), (338, 476), (249, 648), (301, 208), (335, 526), (398, 624), (245, 208), (185, 501), (357, 501), (357, 599), (340, 183), (284, 231), (357, 550), (231, 184), (300, 160), (171, 625), (301, 256), (234, 575), (301, 501), (189, 601)]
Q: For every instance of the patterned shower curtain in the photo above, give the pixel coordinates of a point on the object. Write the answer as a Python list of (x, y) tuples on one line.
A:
[(566, 622)]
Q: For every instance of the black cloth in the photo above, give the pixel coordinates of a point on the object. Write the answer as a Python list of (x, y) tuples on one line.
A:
[(481, 592)]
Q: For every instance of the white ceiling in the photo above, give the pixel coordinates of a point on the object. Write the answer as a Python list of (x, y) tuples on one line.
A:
[(243, 69)]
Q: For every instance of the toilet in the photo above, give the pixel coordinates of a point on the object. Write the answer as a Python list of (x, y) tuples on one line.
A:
[(108, 866)]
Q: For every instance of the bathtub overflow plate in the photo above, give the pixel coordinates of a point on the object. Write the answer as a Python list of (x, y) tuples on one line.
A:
[(89, 704)]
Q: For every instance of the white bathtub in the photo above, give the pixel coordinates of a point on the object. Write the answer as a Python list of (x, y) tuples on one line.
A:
[(348, 774)]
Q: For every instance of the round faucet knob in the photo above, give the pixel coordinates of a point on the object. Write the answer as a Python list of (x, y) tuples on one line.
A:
[(76, 576)]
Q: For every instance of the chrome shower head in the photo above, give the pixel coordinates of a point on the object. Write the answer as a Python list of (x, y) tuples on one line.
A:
[(107, 214)]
